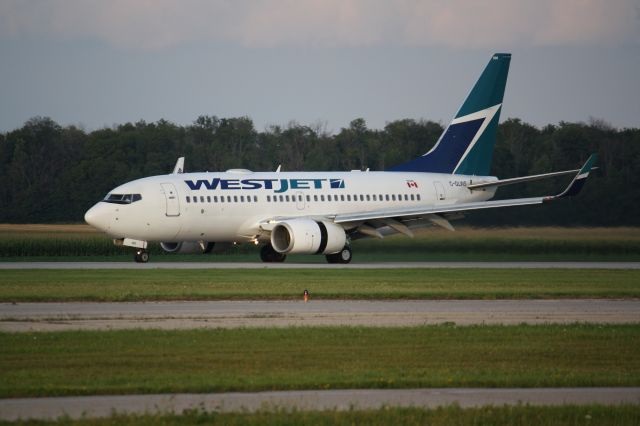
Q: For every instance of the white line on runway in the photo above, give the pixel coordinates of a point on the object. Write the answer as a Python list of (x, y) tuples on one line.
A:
[(105, 406)]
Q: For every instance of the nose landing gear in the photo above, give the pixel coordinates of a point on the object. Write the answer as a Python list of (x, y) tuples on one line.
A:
[(142, 256)]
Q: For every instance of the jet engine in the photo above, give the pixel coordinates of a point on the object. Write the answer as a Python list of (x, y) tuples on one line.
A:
[(306, 236), (188, 247)]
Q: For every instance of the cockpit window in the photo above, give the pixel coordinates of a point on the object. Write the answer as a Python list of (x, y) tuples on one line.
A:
[(122, 198)]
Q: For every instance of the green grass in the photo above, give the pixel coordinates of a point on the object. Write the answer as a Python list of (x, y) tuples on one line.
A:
[(519, 415), (81, 242), (212, 284), (154, 361)]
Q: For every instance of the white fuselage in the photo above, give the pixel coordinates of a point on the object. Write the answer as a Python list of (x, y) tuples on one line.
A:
[(229, 206)]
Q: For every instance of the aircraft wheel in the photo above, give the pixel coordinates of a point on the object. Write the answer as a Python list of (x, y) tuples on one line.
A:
[(269, 255), (343, 256), (142, 256)]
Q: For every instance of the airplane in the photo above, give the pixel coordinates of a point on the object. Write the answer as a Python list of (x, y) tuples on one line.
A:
[(322, 212)]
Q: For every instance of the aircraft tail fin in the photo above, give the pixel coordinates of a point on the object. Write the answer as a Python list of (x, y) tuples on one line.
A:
[(179, 167), (466, 145)]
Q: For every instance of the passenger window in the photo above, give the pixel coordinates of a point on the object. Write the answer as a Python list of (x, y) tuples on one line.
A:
[(308, 198), (268, 198), (228, 198), (412, 197), (315, 198), (215, 198), (342, 197), (208, 198), (418, 197), (242, 198), (393, 197), (374, 197), (195, 199), (222, 199), (368, 197), (386, 197), (188, 199), (328, 197), (281, 198), (348, 197), (255, 198), (361, 197), (322, 198)]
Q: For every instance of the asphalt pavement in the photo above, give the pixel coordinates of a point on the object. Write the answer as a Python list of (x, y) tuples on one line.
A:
[(54, 316), (104, 406), (292, 265)]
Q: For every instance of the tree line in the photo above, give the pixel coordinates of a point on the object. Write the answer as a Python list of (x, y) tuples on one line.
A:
[(54, 173)]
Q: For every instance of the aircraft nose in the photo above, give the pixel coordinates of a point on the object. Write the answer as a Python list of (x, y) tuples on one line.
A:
[(98, 217)]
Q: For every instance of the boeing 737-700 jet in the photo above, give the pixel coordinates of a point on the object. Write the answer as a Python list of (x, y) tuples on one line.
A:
[(322, 212)]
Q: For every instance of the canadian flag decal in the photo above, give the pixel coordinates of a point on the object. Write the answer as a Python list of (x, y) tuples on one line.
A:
[(412, 184)]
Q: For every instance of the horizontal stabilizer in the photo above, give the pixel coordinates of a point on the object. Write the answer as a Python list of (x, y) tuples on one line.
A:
[(511, 181)]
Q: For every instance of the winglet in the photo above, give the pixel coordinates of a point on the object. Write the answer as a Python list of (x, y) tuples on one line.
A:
[(179, 167), (578, 181)]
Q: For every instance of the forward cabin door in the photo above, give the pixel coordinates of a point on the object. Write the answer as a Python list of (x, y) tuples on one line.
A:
[(171, 198)]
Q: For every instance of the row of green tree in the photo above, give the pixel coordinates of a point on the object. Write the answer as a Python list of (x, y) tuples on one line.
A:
[(52, 173)]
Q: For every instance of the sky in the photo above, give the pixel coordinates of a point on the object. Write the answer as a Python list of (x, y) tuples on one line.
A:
[(96, 64)]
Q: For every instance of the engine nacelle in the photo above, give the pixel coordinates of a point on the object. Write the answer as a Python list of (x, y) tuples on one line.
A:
[(187, 247), (306, 236)]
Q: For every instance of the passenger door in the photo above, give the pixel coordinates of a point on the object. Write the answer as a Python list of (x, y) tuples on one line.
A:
[(171, 199), (440, 194)]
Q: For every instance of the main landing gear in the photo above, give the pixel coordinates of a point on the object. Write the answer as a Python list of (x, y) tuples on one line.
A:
[(269, 255), (142, 256), (343, 256)]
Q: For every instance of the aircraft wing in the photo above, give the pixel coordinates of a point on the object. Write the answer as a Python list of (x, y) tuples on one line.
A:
[(432, 213)]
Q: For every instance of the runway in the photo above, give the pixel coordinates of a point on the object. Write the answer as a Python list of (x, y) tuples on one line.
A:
[(105, 406), (22, 317), (355, 265)]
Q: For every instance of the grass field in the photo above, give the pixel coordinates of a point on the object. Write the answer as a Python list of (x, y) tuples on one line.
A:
[(135, 361), (81, 242), (216, 284), (521, 415)]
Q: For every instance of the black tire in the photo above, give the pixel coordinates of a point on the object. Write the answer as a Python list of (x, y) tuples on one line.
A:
[(142, 256), (343, 256), (269, 255)]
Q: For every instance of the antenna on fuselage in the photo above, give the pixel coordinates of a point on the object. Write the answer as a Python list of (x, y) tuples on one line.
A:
[(179, 167), (279, 167)]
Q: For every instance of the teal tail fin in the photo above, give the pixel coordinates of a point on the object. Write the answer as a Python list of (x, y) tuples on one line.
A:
[(466, 146)]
